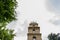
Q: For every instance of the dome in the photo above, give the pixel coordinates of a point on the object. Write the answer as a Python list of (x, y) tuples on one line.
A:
[(33, 23)]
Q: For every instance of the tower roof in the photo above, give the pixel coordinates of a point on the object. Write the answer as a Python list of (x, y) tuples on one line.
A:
[(33, 23)]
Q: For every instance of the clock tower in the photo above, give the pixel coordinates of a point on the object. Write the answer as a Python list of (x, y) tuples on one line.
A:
[(34, 32)]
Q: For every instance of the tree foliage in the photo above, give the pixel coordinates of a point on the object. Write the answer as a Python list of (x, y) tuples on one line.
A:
[(7, 10), (7, 14), (54, 36), (6, 34)]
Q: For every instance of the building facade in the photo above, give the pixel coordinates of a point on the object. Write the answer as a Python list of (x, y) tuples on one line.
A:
[(34, 32)]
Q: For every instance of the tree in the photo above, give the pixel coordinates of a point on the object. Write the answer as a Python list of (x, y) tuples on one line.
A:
[(58, 37), (52, 36), (7, 15)]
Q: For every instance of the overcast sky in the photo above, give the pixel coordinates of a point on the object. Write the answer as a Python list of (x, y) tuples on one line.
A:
[(44, 12)]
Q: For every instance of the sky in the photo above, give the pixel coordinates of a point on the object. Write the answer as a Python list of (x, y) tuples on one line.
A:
[(44, 12)]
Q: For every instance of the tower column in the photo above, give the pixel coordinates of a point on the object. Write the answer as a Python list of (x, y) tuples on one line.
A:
[(34, 32)]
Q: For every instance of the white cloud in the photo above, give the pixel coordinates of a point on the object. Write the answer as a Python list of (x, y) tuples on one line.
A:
[(54, 6), (34, 10)]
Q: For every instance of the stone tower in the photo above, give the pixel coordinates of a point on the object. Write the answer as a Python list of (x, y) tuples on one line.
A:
[(33, 32)]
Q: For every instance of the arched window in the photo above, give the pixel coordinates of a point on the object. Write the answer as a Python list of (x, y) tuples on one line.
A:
[(34, 38), (33, 30)]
